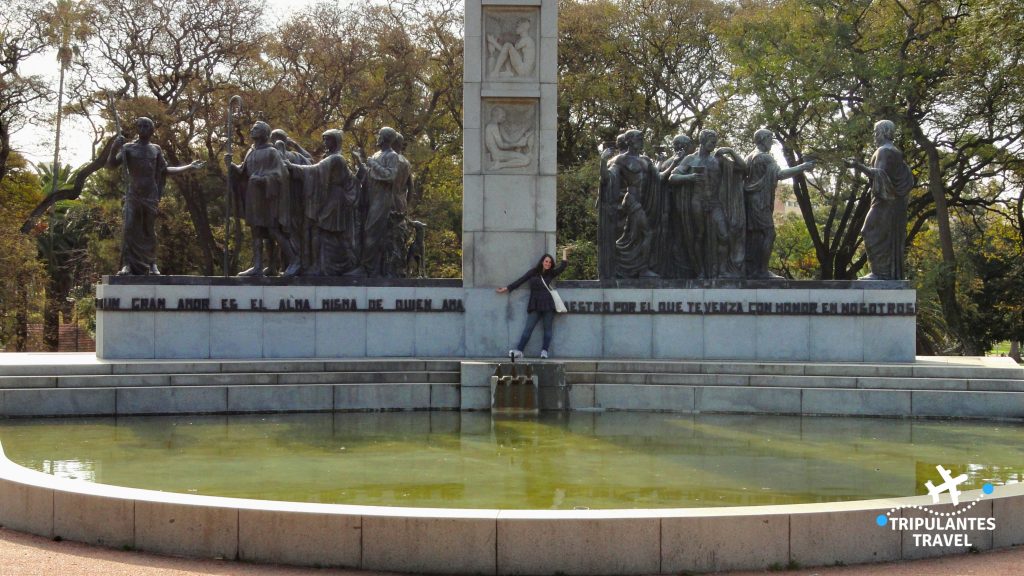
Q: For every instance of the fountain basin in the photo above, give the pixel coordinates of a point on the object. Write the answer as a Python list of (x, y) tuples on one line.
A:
[(486, 541)]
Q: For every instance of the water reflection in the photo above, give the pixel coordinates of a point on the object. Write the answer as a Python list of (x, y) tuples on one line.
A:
[(557, 460)]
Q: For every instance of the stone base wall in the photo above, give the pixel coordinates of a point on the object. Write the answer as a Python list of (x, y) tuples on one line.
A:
[(797, 322)]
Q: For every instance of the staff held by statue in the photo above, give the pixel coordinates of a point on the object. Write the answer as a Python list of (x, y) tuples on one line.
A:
[(124, 168), (234, 107)]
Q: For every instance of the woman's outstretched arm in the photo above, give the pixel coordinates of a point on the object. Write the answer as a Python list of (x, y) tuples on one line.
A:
[(517, 283)]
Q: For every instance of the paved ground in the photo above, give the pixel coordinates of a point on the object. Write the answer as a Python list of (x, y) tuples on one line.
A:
[(26, 555)]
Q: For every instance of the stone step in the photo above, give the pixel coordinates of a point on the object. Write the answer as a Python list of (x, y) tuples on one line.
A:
[(768, 380), (36, 402), (990, 371), (242, 398), (227, 379), (99, 368), (799, 401)]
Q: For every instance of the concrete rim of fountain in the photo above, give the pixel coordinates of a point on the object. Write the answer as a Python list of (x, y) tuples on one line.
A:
[(480, 541)]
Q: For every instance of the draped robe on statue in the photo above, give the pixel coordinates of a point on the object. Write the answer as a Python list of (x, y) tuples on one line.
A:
[(265, 189), (635, 246), (731, 231), (147, 170), (608, 203), (707, 226), (885, 227), (759, 189), (676, 233), (331, 195), (384, 178), (297, 207), (398, 230), (657, 206)]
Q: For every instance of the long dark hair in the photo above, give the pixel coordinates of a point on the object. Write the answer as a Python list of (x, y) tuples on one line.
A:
[(539, 269)]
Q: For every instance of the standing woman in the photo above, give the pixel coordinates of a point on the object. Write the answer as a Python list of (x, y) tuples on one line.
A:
[(541, 305)]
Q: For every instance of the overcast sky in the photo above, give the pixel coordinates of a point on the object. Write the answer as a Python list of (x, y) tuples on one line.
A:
[(35, 140)]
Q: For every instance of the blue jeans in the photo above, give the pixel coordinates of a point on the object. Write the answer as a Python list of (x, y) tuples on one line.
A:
[(531, 322)]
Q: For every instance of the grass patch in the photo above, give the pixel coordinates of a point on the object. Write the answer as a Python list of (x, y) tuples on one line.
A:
[(1000, 349)]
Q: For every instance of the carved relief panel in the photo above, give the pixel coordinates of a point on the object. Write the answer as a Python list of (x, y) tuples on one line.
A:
[(510, 135), (511, 44)]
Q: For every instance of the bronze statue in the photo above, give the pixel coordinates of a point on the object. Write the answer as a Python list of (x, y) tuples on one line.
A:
[(700, 177), (265, 191), (633, 179), (762, 175), (608, 203), (732, 243), (298, 230), (147, 172), (677, 231), (885, 227), (398, 234), (385, 177), (332, 194)]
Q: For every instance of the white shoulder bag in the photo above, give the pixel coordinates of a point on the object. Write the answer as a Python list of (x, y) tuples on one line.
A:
[(559, 304)]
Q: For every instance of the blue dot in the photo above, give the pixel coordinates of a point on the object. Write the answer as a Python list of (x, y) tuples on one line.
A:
[(882, 520), (988, 488)]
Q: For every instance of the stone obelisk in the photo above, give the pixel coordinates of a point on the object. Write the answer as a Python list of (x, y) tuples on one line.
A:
[(510, 128)]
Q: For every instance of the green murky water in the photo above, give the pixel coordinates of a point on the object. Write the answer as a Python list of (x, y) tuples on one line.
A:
[(556, 461)]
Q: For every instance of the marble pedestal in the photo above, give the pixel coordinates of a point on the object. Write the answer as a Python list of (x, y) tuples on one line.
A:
[(198, 318)]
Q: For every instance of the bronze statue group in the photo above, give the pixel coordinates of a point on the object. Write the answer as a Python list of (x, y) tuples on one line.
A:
[(327, 219), (708, 213), (324, 218), (703, 213)]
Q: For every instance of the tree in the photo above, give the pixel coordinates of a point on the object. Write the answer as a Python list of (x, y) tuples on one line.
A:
[(67, 24), (947, 73), (20, 272), (653, 64), (361, 67), (20, 39), (793, 252), (62, 242), (175, 61)]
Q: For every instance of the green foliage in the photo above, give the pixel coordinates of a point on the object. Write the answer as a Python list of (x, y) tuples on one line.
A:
[(177, 252), (793, 254), (577, 202), (21, 275), (582, 261), (990, 276), (67, 24), (65, 177), (818, 73), (439, 205), (577, 218), (444, 254), (653, 64)]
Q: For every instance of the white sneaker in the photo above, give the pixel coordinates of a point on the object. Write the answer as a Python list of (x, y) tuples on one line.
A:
[(543, 353), (515, 353)]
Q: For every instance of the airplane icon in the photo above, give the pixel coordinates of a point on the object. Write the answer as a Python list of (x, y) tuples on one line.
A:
[(949, 484)]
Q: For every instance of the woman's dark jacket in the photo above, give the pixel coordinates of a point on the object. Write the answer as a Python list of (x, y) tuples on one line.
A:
[(540, 298)]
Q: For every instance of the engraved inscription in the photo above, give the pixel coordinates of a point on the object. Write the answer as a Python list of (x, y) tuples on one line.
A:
[(745, 308)]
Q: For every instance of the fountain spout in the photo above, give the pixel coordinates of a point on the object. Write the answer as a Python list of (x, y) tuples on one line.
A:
[(514, 393)]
